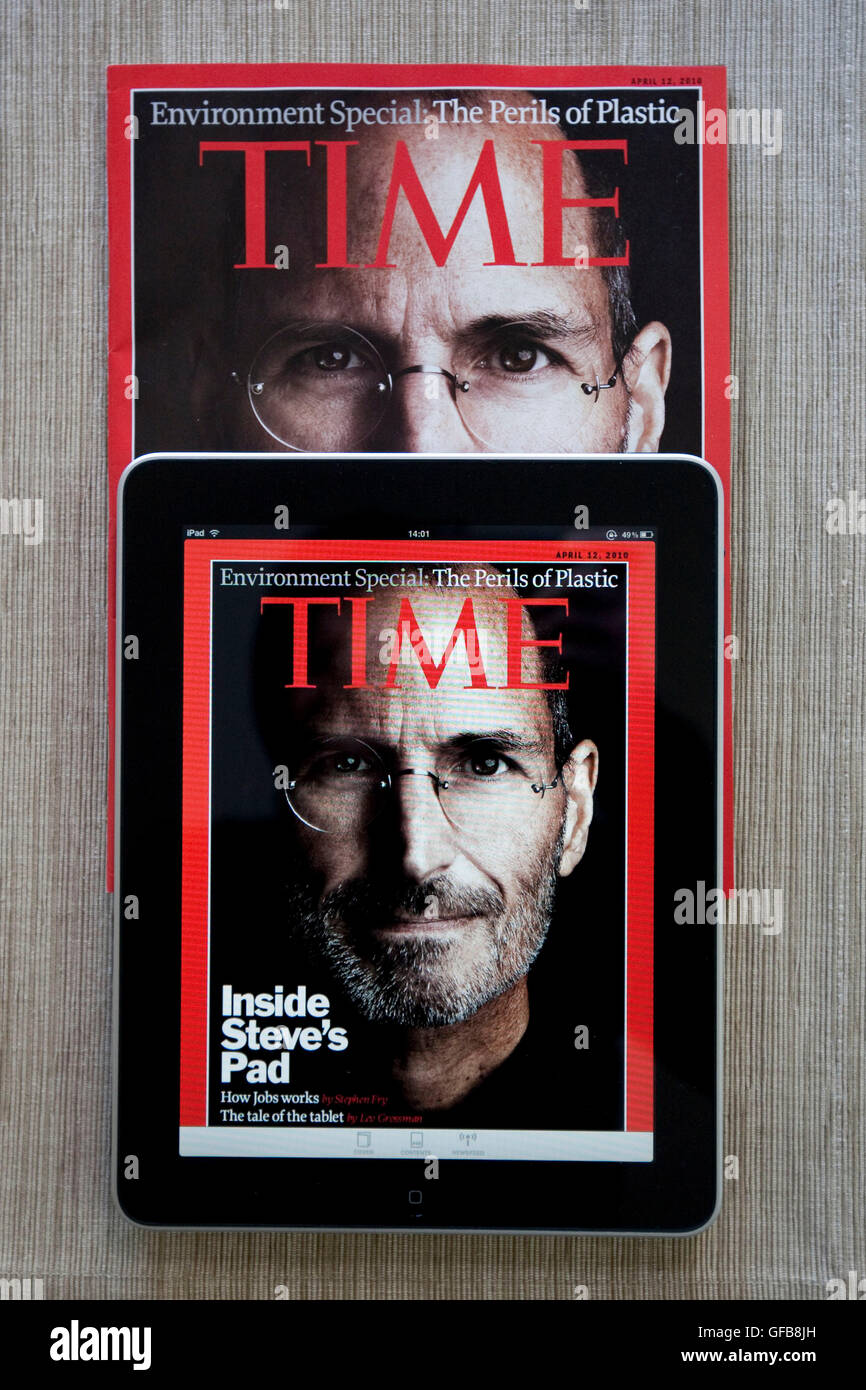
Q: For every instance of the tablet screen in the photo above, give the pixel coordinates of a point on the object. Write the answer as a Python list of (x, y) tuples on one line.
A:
[(417, 850)]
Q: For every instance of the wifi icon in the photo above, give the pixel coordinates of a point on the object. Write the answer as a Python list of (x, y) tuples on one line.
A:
[(214, 533)]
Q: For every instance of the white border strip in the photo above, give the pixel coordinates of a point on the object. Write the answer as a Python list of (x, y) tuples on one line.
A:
[(325, 1141)]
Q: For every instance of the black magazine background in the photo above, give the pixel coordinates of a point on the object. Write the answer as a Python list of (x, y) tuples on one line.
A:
[(188, 224)]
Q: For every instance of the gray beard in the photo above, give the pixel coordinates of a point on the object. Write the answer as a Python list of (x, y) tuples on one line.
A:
[(412, 981)]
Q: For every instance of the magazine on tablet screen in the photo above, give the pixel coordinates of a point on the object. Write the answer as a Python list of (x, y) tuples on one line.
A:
[(417, 848)]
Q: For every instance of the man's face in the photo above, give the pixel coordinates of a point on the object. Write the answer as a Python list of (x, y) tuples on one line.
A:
[(437, 896), (526, 338)]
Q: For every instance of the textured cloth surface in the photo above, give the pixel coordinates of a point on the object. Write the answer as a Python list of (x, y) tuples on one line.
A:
[(794, 1004)]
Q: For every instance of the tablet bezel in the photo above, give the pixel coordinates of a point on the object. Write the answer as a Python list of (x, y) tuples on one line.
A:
[(679, 1192)]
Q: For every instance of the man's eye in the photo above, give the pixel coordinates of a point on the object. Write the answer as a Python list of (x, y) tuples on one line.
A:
[(324, 359), (484, 765), (519, 358), (348, 764), (336, 766), (332, 357)]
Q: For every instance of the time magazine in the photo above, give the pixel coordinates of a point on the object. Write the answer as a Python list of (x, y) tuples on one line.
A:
[(460, 260), (408, 901)]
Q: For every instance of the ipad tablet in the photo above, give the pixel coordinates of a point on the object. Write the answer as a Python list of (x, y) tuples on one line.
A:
[(418, 762)]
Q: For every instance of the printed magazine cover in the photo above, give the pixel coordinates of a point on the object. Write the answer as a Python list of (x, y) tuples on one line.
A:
[(513, 259)]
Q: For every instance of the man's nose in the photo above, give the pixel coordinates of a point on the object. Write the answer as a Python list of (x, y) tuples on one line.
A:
[(422, 418), (428, 839)]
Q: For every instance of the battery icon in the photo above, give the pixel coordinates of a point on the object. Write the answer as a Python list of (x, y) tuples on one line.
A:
[(646, 535)]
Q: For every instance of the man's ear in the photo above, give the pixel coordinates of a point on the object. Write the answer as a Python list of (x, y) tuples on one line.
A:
[(647, 369), (579, 777)]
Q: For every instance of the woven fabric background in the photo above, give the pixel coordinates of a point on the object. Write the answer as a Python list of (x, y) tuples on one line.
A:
[(794, 1008)]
